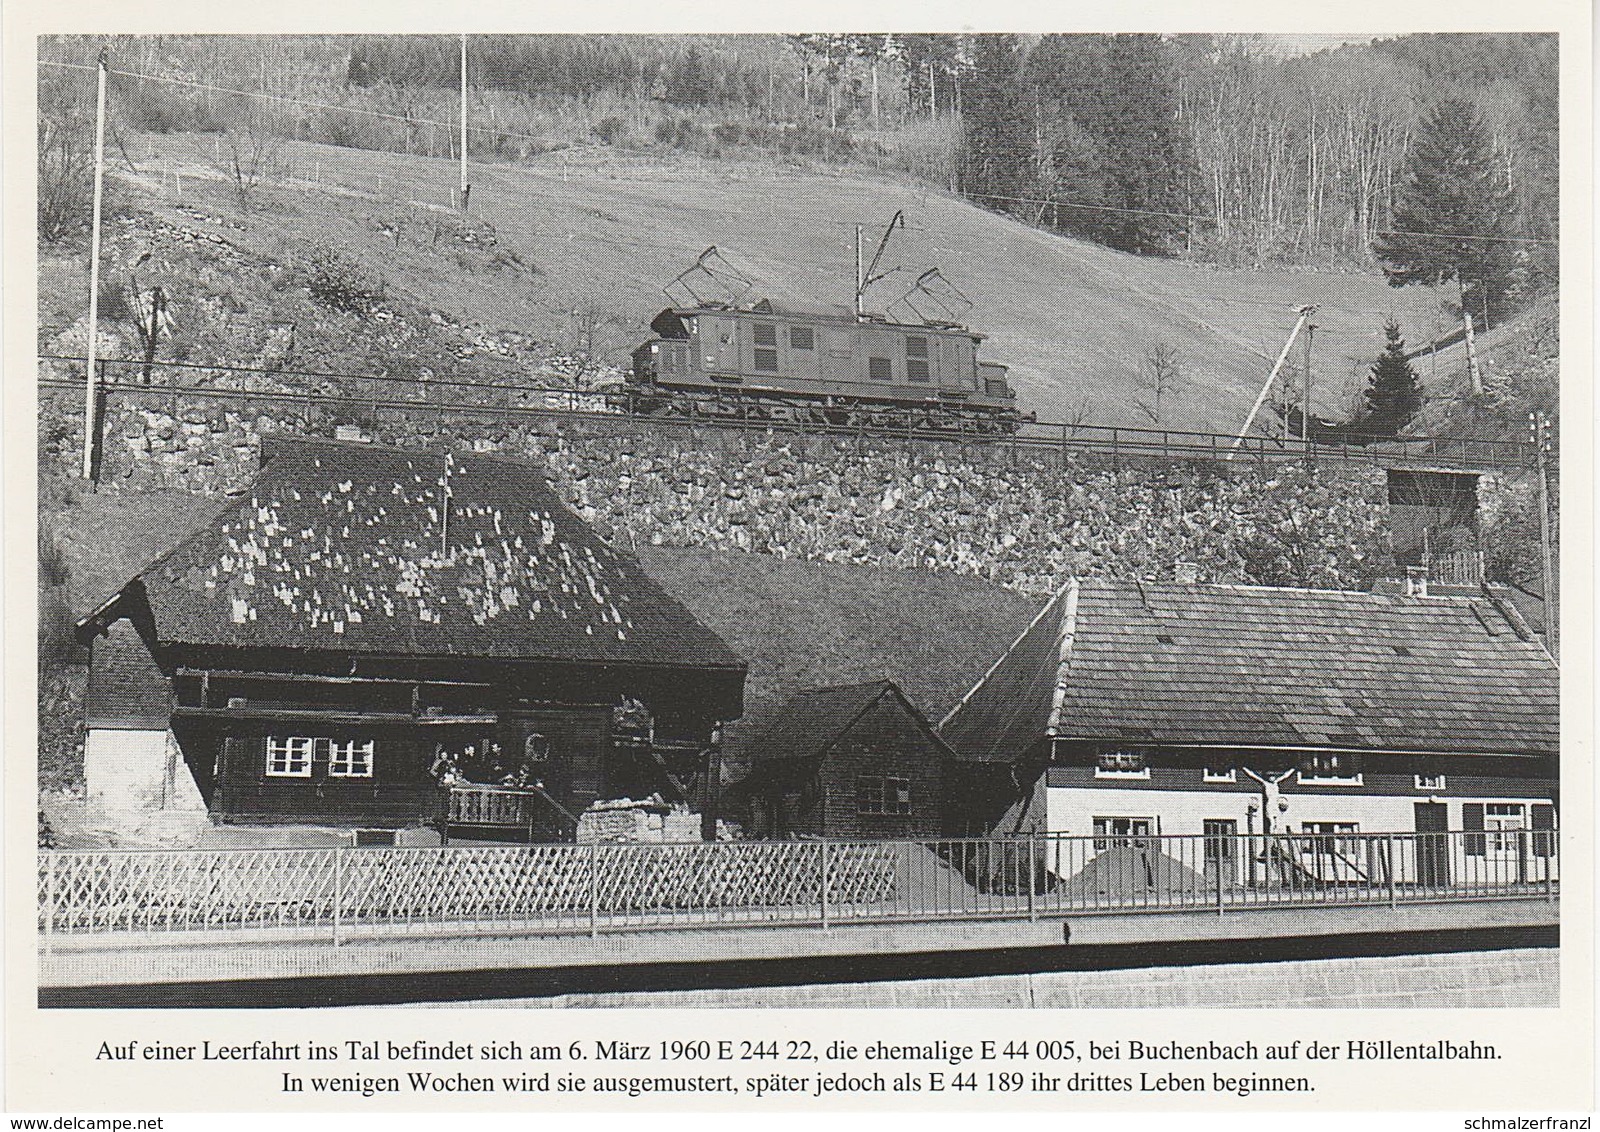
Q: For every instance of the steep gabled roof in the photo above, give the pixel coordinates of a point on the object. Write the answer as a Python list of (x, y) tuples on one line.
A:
[(365, 549), (1012, 707), (814, 720), (1266, 667)]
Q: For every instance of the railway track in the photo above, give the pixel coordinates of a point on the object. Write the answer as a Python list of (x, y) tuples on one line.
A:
[(454, 398)]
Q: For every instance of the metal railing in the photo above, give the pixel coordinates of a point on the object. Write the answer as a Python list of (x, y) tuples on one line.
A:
[(593, 888), (366, 397)]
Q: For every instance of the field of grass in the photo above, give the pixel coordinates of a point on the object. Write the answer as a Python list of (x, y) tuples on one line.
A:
[(813, 624), (591, 229)]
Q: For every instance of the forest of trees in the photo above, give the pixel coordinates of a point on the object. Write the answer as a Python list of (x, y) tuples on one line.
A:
[(1219, 148), (1216, 147)]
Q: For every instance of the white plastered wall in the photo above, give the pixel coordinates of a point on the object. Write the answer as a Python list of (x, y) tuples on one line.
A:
[(127, 770), (1071, 811)]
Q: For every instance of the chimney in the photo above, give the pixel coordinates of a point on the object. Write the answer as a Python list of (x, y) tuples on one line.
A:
[(1416, 581), (1186, 573)]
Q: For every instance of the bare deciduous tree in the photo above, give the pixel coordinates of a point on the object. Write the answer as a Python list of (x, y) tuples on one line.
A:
[(1160, 376), (592, 332), (66, 175), (254, 154)]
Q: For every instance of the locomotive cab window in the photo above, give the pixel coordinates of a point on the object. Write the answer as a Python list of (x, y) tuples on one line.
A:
[(802, 338), (766, 347), (916, 357), (880, 369)]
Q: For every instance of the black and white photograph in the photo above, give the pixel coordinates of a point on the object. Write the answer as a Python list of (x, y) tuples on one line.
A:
[(1036, 521)]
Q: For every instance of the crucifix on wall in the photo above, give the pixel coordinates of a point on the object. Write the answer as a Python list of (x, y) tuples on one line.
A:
[(1272, 801)]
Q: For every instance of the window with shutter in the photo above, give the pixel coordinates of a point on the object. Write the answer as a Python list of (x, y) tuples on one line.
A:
[(349, 758), (289, 756)]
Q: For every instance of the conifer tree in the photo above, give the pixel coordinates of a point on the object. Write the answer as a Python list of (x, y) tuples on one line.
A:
[(1454, 213), (1394, 394)]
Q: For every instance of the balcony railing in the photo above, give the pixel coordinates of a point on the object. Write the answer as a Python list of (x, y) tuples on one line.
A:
[(493, 806)]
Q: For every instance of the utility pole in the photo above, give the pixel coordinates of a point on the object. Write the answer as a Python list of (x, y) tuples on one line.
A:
[(466, 189), (866, 277), (1540, 426), (1305, 392), (859, 287), (1473, 372), (1305, 313), (91, 426)]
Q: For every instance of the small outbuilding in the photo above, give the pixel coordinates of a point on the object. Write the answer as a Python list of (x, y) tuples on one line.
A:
[(853, 761)]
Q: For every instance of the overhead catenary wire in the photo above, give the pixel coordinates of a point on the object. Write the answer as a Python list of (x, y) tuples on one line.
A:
[(1203, 217)]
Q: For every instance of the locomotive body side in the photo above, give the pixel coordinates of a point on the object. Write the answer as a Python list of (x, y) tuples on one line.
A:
[(772, 356)]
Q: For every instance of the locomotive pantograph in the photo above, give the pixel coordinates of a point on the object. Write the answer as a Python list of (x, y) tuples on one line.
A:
[(723, 357)]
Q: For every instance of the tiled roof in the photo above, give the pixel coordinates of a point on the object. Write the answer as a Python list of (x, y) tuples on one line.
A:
[(1256, 666), (813, 720), (358, 548)]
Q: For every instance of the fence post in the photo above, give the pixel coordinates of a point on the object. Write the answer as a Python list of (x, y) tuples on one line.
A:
[(50, 902), (822, 892), (594, 890), (1394, 860), (338, 894), (1222, 863), (1033, 871)]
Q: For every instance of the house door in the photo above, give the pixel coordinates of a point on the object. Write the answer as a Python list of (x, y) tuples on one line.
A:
[(562, 753), (1433, 844)]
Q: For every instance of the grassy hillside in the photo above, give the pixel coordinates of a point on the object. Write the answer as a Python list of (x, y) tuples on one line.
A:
[(1520, 361), (582, 244), (812, 624)]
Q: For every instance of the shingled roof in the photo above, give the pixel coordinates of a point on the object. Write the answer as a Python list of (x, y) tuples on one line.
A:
[(1253, 666), (814, 720), (359, 548)]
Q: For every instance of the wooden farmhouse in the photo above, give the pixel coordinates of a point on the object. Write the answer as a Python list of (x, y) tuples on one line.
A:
[(1133, 709), (368, 625), (858, 761)]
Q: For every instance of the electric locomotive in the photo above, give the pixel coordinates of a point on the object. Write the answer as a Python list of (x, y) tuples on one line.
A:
[(764, 360), (715, 355)]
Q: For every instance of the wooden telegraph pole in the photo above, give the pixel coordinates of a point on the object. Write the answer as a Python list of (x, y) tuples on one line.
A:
[(1305, 313), (1539, 424), (1305, 388), (1474, 374), (91, 385), (466, 189), (859, 287)]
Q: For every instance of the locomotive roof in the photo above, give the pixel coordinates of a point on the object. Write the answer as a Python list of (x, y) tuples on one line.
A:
[(820, 313)]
